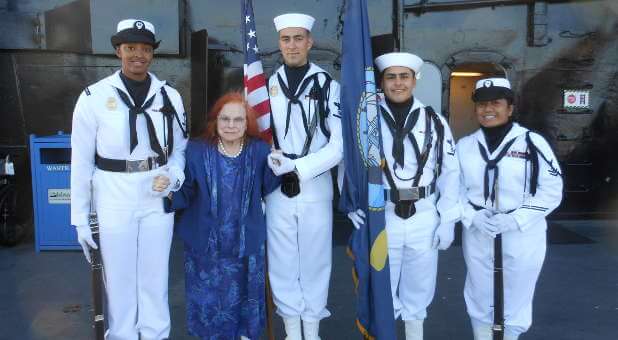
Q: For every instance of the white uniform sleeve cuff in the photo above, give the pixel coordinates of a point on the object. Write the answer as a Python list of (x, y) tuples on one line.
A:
[(467, 214), (80, 219), (177, 177), (521, 222), (451, 215), (302, 170)]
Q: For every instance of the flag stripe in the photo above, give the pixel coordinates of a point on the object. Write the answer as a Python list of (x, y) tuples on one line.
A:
[(264, 122), (258, 96), (253, 69), (262, 108), (255, 82)]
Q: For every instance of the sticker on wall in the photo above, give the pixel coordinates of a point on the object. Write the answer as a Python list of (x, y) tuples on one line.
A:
[(59, 196), (574, 100)]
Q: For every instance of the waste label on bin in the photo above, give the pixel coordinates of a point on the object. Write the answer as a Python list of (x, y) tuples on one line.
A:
[(59, 196), (58, 167)]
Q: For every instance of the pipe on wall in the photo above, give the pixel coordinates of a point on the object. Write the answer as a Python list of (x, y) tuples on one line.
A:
[(423, 6)]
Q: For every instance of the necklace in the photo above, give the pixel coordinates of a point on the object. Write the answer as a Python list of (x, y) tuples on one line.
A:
[(242, 143)]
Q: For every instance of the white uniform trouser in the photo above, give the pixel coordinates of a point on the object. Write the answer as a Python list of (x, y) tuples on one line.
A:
[(523, 256), (299, 255), (413, 263), (135, 247)]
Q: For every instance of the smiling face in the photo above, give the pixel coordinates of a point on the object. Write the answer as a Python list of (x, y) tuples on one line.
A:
[(294, 44), (232, 122), (398, 83), (494, 112), (136, 59)]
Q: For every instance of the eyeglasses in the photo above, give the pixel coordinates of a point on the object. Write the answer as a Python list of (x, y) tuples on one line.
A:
[(229, 121)]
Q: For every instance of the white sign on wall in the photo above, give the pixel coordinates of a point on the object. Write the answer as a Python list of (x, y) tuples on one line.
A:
[(59, 196), (576, 99)]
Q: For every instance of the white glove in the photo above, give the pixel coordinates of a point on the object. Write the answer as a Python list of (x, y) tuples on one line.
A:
[(280, 164), (357, 217), (503, 223), (480, 221), (271, 162), (444, 236), (84, 237)]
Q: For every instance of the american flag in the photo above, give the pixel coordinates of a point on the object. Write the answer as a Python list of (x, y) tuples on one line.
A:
[(254, 79)]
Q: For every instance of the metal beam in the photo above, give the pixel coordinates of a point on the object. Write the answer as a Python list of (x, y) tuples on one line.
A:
[(423, 7), (396, 26)]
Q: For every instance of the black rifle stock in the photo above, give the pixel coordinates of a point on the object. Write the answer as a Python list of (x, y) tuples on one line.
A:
[(97, 278), (498, 326)]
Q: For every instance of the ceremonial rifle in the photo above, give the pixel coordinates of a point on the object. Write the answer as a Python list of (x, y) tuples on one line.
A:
[(97, 273), (498, 326)]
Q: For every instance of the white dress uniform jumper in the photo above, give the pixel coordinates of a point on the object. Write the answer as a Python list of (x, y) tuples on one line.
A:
[(120, 148), (307, 127), (422, 165), (529, 188)]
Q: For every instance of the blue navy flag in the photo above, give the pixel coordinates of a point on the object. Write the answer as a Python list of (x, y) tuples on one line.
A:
[(362, 187)]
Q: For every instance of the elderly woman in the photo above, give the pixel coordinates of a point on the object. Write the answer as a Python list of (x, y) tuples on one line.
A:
[(510, 182), (223, 225)]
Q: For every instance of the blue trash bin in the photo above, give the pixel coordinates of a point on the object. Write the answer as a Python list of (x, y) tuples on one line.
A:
[(50, 158)]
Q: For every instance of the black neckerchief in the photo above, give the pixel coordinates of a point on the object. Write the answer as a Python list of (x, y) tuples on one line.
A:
[(492, 165), (495, 134), (295, 75), (400, 111), (138, 90), (293, 99), (399, 133)]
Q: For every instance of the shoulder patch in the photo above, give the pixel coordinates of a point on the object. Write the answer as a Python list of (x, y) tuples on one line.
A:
[(451, 147)]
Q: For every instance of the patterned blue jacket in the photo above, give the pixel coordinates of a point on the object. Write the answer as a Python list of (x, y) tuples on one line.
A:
[(196, 200)]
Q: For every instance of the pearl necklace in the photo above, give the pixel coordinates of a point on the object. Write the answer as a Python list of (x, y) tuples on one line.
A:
[(242, 143)]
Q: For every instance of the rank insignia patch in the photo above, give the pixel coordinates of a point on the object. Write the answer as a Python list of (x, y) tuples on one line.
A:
[(111, 103), (274, 90)]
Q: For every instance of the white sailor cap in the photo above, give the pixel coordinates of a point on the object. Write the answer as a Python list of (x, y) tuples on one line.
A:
[(134, 31), (135, 23), (294, 20), (404, 59), (492, 88)]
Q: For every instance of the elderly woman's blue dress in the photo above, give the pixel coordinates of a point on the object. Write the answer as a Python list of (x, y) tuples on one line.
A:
[(224, 230)]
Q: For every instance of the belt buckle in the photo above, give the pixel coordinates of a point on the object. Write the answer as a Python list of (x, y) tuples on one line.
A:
[(410, 194), (422, 192), (137, 166), (155, 162)]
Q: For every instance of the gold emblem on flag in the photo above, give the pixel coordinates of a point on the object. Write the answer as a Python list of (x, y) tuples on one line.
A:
[(111, 103), (379, 251), (274, 90)]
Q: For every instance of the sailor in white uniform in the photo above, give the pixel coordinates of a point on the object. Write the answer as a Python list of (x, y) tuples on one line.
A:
[(306, 126), (421, 175), (128, 142), (511, 181)]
